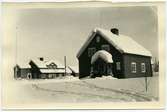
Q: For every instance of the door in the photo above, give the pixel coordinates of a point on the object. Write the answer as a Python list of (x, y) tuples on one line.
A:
[(109, 69), (100, 68)]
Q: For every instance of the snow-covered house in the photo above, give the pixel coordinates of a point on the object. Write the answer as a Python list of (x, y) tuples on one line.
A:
[(41, 68), (110, 53)]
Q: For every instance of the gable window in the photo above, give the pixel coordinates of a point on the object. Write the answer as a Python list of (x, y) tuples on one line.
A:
[(97, 39), (143, 67), (118, 65), (91, 51), (105, 47), (52, 66), (133, 67)]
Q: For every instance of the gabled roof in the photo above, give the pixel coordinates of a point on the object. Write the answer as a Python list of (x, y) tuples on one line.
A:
[(104, 55), (56, 62), (23, 65), (45, 63), (39, 63), (122, 43), (43, 66)]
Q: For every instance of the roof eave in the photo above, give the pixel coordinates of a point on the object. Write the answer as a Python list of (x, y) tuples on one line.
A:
[(84, 46)]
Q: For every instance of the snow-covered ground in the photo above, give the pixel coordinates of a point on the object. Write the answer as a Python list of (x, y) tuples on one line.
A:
[(71, 89)]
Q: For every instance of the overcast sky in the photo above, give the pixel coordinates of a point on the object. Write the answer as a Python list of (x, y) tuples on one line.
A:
[(56, 33)]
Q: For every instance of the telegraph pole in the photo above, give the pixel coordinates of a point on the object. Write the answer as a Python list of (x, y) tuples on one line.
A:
[(65, 65), (146, 83)]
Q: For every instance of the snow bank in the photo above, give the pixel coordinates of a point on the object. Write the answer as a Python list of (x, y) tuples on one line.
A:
[(67, 78)]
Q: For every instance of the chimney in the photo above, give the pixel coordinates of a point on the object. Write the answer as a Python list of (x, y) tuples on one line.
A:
[(41, 58), (115, 31)]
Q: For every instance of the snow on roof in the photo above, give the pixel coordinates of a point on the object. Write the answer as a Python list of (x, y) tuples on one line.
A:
[(23, 65), (44, 63), (122, 43), (55, 70), (59, 65), (106, 56), (39, 63)]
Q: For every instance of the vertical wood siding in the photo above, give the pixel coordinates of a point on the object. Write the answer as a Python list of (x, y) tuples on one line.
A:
[(85, 61), (129, 58)]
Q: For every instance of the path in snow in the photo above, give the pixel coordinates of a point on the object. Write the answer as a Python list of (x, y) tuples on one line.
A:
[(94, 91)]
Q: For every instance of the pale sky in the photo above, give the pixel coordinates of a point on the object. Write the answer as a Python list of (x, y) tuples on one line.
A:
[(55, 33)]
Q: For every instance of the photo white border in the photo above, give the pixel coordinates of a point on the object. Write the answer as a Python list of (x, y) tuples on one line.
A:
[(125, 105)]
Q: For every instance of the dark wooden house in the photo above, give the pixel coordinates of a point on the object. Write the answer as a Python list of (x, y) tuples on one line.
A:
[(22, 72), (110, 53)]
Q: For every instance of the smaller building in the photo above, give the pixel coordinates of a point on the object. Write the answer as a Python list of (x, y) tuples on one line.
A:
[(44, 69), (22, 72)]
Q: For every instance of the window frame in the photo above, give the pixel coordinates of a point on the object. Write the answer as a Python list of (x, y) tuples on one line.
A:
[(118, 65), (105, 47), (143, 65), (91, 51), (133, 67)]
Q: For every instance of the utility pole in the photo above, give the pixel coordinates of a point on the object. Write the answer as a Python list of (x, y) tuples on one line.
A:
[(146, 83), (65, 64)]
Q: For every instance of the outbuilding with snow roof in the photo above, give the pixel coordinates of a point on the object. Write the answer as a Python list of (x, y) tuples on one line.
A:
[(110, 53)]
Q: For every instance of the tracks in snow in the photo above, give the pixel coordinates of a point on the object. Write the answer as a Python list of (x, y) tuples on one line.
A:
[(135, 95), (125, 93), (75, 93)]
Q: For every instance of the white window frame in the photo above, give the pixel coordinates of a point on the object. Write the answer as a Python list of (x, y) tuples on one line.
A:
[(143, 67), (91, 51), (133, 67), (105, 47), (118, 65)]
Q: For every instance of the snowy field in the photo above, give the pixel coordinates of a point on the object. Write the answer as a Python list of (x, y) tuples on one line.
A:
[(71, 89)]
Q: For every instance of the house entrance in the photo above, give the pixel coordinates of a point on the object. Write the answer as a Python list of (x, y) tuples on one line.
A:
[(100, 68), (101, 64), (29, 76)]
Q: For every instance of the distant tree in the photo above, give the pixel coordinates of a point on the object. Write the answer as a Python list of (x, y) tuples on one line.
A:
[(156, 66)]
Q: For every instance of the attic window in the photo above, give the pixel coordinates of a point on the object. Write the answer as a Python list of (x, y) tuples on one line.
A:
[(91, 51), (52, 66), (105, 47), (97, 39)]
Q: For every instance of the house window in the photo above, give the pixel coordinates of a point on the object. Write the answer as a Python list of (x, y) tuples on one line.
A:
[(118, 65), (143, 67), (91, 51), (97, 39), (105, 47), (52, 66), (133, 67)]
